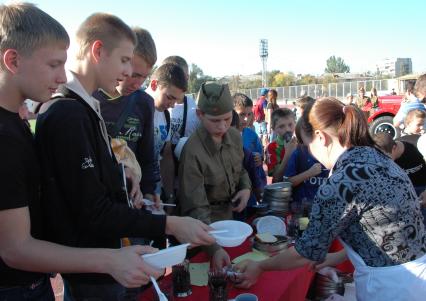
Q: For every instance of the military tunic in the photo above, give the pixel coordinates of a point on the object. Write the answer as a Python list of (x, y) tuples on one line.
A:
[(210, 175)]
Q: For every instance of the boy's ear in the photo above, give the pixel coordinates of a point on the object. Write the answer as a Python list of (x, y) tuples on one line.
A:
[(154, 85), (10, 60), (96, 49)]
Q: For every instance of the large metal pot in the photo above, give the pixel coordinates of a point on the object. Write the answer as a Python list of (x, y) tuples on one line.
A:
[(279, 186), (271, 248)]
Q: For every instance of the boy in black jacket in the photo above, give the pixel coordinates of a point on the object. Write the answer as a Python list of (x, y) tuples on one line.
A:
[(33, 49), (83, 199)]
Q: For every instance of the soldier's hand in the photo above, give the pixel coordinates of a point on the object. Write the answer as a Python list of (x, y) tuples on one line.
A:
[(220, 259), (241, 199)]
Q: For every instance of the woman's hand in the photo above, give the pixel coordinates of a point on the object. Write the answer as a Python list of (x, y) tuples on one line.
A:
[(331, 260), (250, 271)]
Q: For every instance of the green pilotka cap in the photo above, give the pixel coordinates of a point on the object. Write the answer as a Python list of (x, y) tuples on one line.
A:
[(215, 99)]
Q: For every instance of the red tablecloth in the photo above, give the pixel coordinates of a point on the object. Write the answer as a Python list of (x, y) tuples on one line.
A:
[(271, 286)]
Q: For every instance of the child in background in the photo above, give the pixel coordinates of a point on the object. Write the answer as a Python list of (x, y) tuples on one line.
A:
[(243, 106), (413, 126), (304, 172), (252, 168), (407, 157), (301, 104), (251, 142), (278, 152), (270, 108), (259, 114)]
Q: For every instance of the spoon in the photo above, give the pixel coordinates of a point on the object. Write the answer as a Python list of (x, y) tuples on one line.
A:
[(161, 296), (150, 203), (218, 231)]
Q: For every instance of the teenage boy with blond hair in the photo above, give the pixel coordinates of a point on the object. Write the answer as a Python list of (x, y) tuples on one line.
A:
[(83, 198), (33, 48), (128, 112)]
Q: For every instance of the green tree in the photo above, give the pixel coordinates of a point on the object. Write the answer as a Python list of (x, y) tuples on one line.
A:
[(197, 78), (283, 79), (336, 65), (235, 83), (307, 79), (251, 84), (270, 76), (327, 79)]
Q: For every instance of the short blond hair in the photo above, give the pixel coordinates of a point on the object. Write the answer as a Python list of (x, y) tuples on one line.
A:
[(145, 46), (107, 28), (25, 28)]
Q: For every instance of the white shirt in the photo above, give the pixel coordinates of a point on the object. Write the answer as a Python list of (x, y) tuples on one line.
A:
[(176, 120), (160, 132)]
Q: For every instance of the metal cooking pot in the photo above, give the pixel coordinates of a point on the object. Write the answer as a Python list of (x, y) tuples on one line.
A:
[(280, 186), (271, 248)]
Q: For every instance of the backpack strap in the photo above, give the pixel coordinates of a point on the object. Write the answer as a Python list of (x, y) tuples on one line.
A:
[(123, 117), (167, 116), (184, 117)]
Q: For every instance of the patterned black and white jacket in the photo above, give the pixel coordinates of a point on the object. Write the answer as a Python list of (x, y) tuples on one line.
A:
[(370, 203)]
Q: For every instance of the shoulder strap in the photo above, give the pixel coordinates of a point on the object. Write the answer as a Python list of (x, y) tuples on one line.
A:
[(126, 112), (185, 113), (167, 115)]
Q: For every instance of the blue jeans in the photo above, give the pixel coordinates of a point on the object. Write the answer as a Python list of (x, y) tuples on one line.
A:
[(98, 292), (42, 292)]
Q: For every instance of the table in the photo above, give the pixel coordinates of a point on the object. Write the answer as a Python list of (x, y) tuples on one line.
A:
[(271, 286)]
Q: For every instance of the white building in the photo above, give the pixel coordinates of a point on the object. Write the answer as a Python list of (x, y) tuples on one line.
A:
[(395, 66)]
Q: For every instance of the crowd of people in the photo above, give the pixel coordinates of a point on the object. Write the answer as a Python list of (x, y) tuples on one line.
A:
[(74, 192)]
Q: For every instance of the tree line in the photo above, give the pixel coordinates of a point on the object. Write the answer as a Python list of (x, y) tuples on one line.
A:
[(276, 78)]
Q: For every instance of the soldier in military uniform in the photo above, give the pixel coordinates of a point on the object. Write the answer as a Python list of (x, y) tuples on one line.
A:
[(212, 180)]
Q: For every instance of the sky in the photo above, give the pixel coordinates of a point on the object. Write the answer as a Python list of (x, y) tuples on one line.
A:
[(222, 37)]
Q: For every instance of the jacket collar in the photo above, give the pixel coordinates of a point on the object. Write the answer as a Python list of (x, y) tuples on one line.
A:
[(74, 85), (208, 142)]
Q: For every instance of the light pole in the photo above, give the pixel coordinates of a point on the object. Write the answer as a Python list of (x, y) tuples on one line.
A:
[(263, 53)]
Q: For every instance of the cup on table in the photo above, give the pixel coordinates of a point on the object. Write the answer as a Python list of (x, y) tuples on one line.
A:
[(218, 285), (166, 286), (181, 279), (246, 297)]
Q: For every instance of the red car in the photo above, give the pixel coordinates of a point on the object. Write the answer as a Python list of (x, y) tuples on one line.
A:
[(381, 118)]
